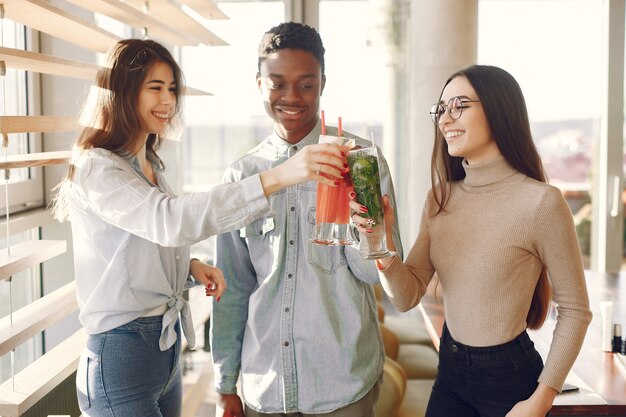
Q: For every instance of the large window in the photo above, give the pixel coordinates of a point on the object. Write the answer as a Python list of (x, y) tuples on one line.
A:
[(222, 127), (356, 77), (24, 189), (15, 294), (25, 184), (366, 52), (368, 79), (551, 61)]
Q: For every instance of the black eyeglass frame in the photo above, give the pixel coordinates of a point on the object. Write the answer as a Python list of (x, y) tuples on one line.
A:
[(436, 113)]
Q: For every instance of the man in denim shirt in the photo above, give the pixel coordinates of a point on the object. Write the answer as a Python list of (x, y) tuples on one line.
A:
[(298, 320)]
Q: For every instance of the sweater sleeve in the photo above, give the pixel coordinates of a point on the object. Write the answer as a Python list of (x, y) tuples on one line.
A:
[(558, 248), (405, 282)]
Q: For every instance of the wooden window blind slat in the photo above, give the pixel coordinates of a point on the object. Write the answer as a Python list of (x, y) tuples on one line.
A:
[(37, 316), (135, 18), (35, 159), (46, 64), (42, 376), (22, 222), (171, 12), (26, 124), (43, 16), (206, 8), (28, 254)]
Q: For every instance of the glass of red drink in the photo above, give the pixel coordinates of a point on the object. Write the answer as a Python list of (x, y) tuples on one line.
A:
[(332, 215)]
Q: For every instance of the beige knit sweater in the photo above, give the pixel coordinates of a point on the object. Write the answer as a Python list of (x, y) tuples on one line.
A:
[(488, 248)]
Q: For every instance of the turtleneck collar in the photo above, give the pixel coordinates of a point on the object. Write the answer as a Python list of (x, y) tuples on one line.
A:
[(488, 172)]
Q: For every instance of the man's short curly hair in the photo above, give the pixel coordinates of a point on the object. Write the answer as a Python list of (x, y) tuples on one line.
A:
[(292, 35)]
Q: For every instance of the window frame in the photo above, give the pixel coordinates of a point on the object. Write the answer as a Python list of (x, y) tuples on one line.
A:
[(27, 194)]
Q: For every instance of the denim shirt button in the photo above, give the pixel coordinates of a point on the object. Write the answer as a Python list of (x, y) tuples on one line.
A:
[(286, 309), (290, 276), (454, 348), (291, 242), (286, 344), (292, 208)]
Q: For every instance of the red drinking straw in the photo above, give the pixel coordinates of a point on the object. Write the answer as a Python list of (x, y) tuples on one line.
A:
[(323, 123), (339, 126)]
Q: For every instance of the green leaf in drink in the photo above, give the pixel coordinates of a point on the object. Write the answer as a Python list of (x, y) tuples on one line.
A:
[(366, 181)]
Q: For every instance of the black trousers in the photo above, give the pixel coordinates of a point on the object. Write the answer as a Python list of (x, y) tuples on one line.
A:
[(483, 381)]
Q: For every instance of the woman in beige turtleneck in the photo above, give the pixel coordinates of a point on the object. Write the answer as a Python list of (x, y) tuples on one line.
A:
[(493, 230)]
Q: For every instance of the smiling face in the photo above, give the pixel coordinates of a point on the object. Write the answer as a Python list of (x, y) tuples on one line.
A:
[(291, 83), (157, 99), (469, 136)]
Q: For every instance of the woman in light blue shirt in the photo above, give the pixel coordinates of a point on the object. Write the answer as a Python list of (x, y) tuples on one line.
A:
[(131, 234)]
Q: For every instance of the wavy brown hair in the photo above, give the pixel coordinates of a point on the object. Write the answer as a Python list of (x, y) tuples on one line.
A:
[(110, 115), (503, 102), (115, 124)]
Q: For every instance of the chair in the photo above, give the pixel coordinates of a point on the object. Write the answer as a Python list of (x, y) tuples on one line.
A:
[(416, 397), (392, 390), (409, 330)]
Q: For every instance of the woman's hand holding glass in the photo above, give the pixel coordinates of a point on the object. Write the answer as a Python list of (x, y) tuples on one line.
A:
[(363, 225), (322, 162)]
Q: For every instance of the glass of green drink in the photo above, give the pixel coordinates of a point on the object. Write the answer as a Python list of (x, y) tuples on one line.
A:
[(363, 166)]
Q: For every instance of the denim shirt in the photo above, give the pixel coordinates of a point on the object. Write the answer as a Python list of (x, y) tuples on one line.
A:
[(131, 239), (298, 319)]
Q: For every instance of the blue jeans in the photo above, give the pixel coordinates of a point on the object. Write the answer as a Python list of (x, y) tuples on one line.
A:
[(123, 373), (483, 381)]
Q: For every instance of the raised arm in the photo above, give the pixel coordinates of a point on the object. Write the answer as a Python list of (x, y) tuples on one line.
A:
[(108, 186)]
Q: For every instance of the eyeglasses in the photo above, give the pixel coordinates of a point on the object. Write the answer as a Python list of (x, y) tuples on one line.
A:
[(454, 108)]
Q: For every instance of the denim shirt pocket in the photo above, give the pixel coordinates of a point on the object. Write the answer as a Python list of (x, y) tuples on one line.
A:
[(260, 237), (327, 259)]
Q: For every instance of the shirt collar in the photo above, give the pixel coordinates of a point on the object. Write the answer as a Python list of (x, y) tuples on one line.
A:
[(133, 161), (282, 146)]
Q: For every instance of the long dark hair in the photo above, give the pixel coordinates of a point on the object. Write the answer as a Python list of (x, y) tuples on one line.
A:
[(110, 116), (504, 106)]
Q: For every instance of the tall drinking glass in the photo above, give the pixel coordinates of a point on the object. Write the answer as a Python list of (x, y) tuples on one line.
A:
[(363, 165), (332, 215)]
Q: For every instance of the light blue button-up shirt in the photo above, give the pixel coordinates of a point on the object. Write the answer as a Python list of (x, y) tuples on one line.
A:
[(298, 319), (131, 239)]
